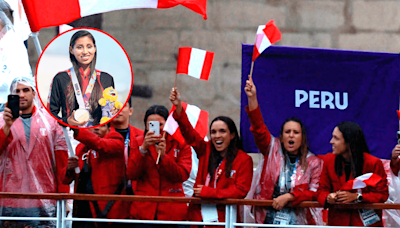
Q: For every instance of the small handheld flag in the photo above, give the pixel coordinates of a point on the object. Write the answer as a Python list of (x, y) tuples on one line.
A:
[(195, 62)]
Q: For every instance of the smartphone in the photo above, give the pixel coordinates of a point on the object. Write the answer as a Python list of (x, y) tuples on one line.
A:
[(154, 126), (13, 104)]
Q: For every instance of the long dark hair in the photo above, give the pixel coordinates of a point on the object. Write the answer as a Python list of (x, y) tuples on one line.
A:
[(155, 109), (233, 147), (97, 92), (355, 143), (304, 148)]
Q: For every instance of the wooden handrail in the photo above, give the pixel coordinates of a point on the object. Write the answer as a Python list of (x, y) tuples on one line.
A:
[(194, 200)]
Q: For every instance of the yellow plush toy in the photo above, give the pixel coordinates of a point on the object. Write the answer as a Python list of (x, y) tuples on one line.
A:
[(108, 102)]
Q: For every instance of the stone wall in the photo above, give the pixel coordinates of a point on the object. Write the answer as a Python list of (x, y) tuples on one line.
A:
[(152, 37)]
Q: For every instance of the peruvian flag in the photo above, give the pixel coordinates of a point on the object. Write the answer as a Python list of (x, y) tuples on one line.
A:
[(368, 179), (46, 13), (266, 35), (198, 119), (195, 62)]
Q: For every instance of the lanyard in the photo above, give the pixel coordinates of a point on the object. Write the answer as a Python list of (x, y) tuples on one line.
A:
[(82, 101), (127, 140), (216, 176)]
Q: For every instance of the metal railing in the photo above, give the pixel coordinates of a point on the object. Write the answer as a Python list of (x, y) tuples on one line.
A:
[(230, 212)]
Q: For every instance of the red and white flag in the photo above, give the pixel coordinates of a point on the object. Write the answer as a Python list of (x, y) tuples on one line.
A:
[(46, 13), (198, 119), (195, 62), (266, 35), (368, 179)]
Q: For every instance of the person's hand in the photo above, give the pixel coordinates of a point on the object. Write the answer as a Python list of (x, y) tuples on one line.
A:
[(150, 139), (197, 191), (8, 120), (175, 99), (72, 163), (71, 120), (346, 197), (161, 146), (280, 202), (250, 88), (331, 199), (114, 111), (396, 151)]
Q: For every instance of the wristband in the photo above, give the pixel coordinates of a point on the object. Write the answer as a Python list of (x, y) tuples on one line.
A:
[(142, 151)]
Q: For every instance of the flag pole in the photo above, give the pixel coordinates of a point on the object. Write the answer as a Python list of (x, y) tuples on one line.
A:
[(176, 77), (38, 48), (251, 68)]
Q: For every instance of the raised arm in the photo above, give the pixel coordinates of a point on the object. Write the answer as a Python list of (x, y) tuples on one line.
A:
[(394, 161), (191, 136), (114, 143), (261, 134)]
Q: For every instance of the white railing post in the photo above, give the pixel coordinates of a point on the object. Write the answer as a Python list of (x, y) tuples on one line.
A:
[(227, 216), (63, 213), (233, 215), (58, 214)]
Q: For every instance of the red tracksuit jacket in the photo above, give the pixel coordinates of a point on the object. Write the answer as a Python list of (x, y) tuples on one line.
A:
[(330, 182), (164, 179), (235, 186), (106, 158)]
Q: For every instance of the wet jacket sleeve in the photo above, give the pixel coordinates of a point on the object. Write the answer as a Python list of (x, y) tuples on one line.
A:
[(191, 136), (380, 193), (260, 131), (112, 144), (4, 141), (308, 192), (239, 189), (324, 188), (61, 157), (177, 170)]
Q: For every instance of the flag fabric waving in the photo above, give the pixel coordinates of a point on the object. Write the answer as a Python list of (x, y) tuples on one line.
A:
[(266, 35), (195, 62), (368, 179), (45, 13), (198, 119)]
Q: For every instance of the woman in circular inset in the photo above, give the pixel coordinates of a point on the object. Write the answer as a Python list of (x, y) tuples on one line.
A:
[(76, 92)]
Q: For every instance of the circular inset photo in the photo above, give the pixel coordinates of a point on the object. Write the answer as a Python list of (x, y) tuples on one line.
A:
[(84, 78)]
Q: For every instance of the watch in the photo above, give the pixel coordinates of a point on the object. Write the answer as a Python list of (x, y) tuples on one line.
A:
[(142, 151), (359, 198)]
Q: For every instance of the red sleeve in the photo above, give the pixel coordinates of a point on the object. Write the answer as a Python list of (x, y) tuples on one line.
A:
[(380, 193), (136, 161), (70, 176), (308, 192), (4, 141), (61, 157), (395, 168), (113, 142), (260, 131), (177, 170), (191, 136), (324, 185), (239, 189)]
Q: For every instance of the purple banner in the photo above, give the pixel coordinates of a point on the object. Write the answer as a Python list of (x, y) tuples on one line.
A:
[(324, 88)]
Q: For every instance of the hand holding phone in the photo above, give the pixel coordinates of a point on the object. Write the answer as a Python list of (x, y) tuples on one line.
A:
[(154, 126), (13, 104)]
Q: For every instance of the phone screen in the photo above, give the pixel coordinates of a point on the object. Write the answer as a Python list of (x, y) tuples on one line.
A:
[(13, 104)]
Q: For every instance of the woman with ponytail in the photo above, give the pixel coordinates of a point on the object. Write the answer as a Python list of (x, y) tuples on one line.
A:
[(350, 159)]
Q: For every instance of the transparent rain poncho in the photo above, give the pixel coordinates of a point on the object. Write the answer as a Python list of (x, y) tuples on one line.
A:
[(33, 166), (391, 218), (263, 189), (14, 60)]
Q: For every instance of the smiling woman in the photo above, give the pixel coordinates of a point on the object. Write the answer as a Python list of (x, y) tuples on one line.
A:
[(225, 171), (299, 169), (76, 92)]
